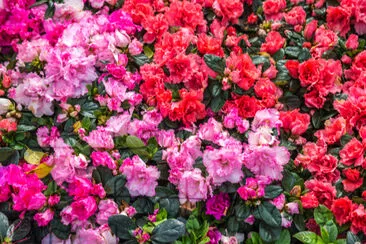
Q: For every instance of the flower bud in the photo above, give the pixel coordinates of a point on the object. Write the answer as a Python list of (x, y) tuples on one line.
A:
[(5, 105)]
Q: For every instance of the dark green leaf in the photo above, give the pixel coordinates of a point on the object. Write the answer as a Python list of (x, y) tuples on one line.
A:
[(50, 10), (352, 238), (25, 128), (102, 175), (217, 103), (171, 205), (242, 212), (38, 3), (269, 214), (316, 119), (115, 184), (8, 156), (141, 59), (269, 233), (122, 226), (292, 101), (279, 54), (292, 51), (261, 60), (232, 225), (215, 63), (299, 222), (345, 139), (143, 206), (272, 191), (60, 230), (168, 231), (304, 55), (4, 225), (290, 179), (285, 237), (20, 229), (88, 109)]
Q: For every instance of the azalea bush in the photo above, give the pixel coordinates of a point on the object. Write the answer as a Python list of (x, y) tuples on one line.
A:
[(188, 122)]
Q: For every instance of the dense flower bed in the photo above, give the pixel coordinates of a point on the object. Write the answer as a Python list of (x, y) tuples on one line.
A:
[(168, 121)]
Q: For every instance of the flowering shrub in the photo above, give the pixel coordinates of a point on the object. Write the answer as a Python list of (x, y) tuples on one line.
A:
[(151, 121)]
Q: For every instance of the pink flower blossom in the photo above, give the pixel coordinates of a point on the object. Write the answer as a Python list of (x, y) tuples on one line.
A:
[(100, 138), (141, 179), (44, 218), (266, 161), (192, 187), (106, 209), (223, 165)]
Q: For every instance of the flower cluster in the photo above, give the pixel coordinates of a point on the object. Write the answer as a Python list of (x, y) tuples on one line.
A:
[(182, 121)]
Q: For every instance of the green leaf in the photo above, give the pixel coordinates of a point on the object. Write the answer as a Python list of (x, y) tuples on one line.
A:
[(116, 187), (291, 101), (168, 231), (341, 241), (171, 205), (232, 226), (122, 226), (290, 179), (304, 55), (299, 222), (25, 128), (4, 225), (269, 233), (217, 103), (316, 119), (168, 200), (345, 139), (307, 237), (322, 215), (88, 109), (19, 229), (137, 146), (279, 54), (148, 52), (60, 230), (8, 156), (50, 10), (293, 52), (141, 59), (143, 206), (242, 212), (38, 3), (102, 175), (261, 60), (331, 230), (254, 239), (215, 63), (285, 237), (134, 142), (352, 238), (269, 214), (272, 191)]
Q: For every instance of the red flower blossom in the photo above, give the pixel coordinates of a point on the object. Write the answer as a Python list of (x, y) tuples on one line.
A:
[(338, 20), (323, 191), (352, 153), (353, 180), (342, 209), (295, 121), (274, 42)]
